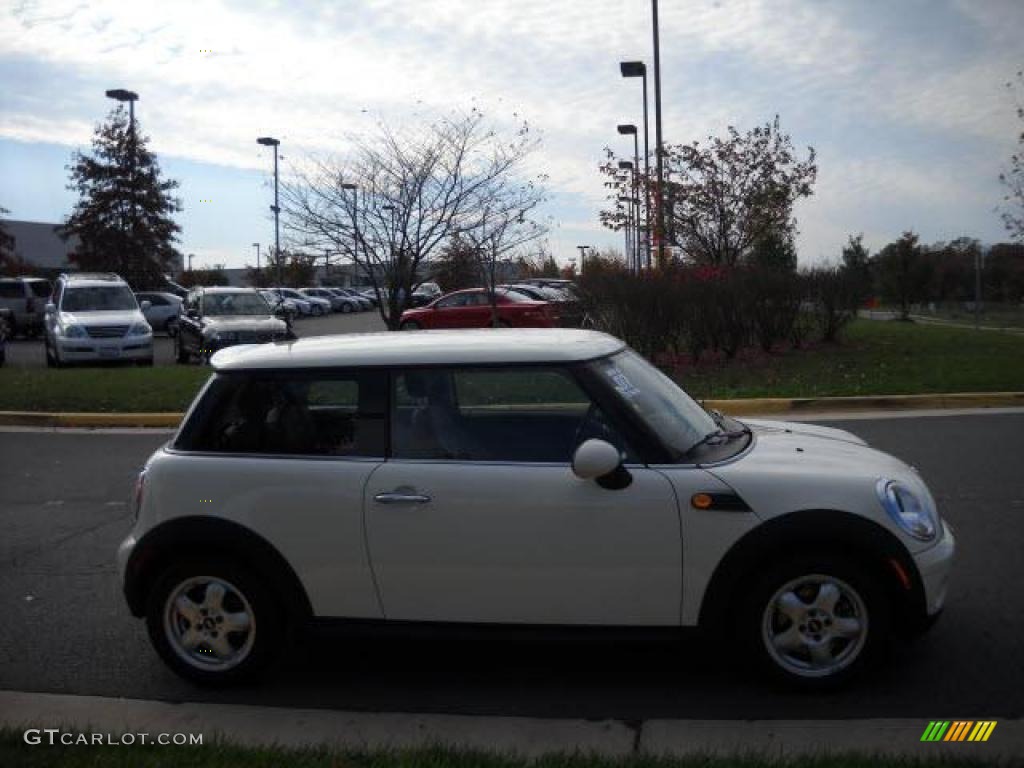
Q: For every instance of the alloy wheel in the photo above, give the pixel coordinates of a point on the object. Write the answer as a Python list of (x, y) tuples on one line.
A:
[(209, 623), (815, 626)]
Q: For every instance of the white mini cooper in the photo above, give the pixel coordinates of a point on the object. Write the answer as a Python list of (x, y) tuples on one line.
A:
[(540, 477)]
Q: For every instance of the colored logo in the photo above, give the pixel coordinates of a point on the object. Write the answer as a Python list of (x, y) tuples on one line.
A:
[(958, 730)]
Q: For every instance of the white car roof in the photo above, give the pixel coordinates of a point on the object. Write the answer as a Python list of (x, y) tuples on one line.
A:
[(484, 346)]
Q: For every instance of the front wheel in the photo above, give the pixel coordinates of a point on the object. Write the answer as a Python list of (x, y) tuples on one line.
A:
[(346, 308), (814, 623), (214, 624), (409, 325)]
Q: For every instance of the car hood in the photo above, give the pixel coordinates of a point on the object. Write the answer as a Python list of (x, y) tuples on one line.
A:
[(764, 427), (790, 467), (244, 323), (108, 317)]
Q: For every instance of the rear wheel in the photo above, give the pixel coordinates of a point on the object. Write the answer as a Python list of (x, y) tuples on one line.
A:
[(814, 623), (214, 623), (180, 353), (346, 308)]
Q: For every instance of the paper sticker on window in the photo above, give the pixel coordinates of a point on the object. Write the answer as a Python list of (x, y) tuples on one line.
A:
[(621, 383)]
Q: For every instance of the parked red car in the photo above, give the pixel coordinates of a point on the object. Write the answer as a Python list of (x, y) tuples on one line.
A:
[(472, 309)]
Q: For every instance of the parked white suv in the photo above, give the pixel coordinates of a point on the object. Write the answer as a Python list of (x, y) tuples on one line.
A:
[(526, 476), (94, 317)]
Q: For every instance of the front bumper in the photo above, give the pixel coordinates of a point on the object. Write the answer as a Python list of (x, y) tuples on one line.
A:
[(935, 565), (93, 350), (124, 553)]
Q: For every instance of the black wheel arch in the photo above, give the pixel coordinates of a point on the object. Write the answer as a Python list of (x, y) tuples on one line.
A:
[(187, 538), (842, 533)]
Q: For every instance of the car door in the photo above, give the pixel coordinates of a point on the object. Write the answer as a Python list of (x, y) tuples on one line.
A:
[(286, 454), (477, 516)]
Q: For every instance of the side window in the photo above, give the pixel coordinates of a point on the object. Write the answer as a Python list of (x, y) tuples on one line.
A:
[(11, 289), (329, 414), (494, 414), (458, 300)]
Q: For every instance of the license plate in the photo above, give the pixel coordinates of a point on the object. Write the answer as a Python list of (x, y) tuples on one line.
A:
[(109, 352)]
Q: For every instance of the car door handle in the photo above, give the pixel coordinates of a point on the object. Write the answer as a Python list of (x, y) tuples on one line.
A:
[(401, 497)]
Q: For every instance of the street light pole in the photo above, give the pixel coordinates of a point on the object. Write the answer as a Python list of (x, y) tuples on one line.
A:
[(626, 130), (257, 247), (639, 69), (628, 201), (659, 147), (268, 141), (583, 255), (355, 220), (634, 212)]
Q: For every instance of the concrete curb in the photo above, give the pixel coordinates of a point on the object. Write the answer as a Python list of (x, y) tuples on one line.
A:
[(745, 407), (256, 726)]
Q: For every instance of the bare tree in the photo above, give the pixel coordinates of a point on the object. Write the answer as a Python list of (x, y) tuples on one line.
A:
[(400, 196), (1013, 177), (501, 227)]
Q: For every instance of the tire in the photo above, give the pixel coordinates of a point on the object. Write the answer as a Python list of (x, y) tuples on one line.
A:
[(317, 310), (410, 325), (171, 327), (51, 356), (503, 324), (186, 622), (346, 308), (180, 353), (813, 623), (147, 363)]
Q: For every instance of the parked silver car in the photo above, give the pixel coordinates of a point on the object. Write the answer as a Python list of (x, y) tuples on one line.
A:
[(26, 297), (163, 312)]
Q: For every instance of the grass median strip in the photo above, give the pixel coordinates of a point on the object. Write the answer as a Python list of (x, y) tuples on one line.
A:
[(14, 751), (877, 357)]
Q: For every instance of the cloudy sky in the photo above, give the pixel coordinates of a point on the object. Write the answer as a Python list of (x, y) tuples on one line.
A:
[(904, 101)]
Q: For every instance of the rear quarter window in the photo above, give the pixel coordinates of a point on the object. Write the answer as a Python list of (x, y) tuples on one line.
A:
[(11, 289), (41, 288)]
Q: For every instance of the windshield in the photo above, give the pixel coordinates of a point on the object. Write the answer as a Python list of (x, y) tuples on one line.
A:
[(234, 304), (673, 415), (98, 298)]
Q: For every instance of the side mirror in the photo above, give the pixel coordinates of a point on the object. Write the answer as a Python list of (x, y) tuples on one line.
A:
[(145, 304), (600, 461), (51, 308)]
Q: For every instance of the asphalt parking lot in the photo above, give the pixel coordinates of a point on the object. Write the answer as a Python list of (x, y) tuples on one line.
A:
[(29, 353), (66, 629)]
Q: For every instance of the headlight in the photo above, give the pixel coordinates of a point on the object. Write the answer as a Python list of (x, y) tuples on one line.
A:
[(223, 336), (140, 329), (910, 513), (74, 332)]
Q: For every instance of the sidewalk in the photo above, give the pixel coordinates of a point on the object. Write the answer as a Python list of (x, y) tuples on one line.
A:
[(266, 726)]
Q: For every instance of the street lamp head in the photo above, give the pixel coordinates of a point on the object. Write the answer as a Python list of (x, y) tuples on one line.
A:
[(627, 130), (348, 186), (122, 95), (625, 165), (633, 69), (267, 141)]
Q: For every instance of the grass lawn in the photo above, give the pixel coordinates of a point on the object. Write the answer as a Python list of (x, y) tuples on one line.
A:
[(876, 357), (135, 390), (14, 752)]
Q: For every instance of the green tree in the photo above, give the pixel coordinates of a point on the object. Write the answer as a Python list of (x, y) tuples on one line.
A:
[(857, 269), (8, 259), (774, 251), (903, 273), (213, 275), (123, 217), (457, 266)]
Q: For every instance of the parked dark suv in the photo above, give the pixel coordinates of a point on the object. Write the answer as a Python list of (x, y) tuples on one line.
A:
[(214, 318)]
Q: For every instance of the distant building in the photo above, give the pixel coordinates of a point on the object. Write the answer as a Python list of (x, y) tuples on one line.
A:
[(38, 244)]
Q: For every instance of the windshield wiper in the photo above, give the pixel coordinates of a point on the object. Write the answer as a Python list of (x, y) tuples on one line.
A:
[(722, 435)]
